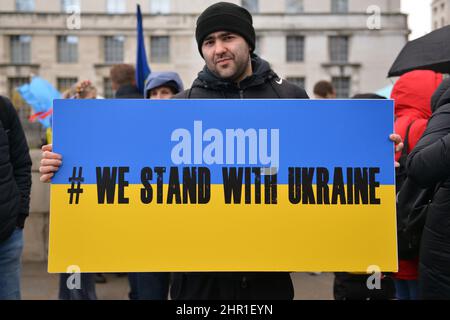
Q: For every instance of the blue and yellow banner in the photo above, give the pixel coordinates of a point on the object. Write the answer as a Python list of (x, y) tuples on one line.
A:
[(223, 185)]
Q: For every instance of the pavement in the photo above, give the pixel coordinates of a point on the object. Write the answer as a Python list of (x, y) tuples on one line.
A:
[(37, 284)]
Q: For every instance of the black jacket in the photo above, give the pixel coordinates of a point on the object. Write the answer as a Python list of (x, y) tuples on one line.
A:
[(429, 165), (15, 171), (263, 84), (128, 92)]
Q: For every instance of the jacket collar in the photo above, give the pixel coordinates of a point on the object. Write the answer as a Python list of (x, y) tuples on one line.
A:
[(261, 73)]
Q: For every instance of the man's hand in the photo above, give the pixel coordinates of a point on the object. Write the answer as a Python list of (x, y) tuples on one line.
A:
[(398, 145), (50, 163)]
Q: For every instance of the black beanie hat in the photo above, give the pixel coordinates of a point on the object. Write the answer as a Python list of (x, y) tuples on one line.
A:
[(225, 16)]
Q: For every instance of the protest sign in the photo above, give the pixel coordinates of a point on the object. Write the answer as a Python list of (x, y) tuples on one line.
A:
[(223, 185)]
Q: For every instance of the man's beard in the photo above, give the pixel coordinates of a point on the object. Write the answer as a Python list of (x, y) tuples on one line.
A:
[(240, 70)]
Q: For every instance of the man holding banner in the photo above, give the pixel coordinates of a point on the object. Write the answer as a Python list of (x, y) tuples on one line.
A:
[(226, 40)]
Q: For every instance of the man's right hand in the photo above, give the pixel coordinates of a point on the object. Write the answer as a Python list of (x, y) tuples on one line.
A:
[(50, 163)]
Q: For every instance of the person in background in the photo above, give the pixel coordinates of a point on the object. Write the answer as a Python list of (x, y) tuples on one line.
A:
[(123, 82), (324, 90), (412, 95), (428, 166), (159, 85), (163, 85), (15, 189), (154, 285)]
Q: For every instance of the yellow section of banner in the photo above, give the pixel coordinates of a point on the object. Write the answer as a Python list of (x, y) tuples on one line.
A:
[(220, 237)]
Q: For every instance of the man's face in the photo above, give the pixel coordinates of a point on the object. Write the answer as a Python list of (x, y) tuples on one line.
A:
[(227, 55)]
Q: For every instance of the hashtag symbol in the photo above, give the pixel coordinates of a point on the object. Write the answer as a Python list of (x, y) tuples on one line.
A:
[(76, 190)]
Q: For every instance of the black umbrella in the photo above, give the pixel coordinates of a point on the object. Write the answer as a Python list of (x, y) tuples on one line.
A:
[(430, 52)]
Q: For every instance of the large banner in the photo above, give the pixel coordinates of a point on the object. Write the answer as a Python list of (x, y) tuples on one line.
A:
[(223, 185)]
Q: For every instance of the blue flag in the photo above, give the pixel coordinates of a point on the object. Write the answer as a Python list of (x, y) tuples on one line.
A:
[(39, 94), (142, 67)]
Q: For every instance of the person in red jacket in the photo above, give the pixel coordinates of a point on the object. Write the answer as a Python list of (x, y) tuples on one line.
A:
[(412, 95)]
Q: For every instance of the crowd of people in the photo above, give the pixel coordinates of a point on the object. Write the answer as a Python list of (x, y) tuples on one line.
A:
[(226, 41)]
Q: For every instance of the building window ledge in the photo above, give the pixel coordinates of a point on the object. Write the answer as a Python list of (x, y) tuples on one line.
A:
[(30, 65), (341, 64)]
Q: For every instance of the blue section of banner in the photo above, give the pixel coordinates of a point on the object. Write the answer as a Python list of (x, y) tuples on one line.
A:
[(137, 133)]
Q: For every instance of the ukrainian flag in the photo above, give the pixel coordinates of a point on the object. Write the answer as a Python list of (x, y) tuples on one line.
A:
[(283, 236)]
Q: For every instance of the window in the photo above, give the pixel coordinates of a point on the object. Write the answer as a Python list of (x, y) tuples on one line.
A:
[(34, 132), (339, 6), (294, 6), (251, 5), (70, 6), (342, 86), (20, 49), (108, 92), (295, 46), (67, 49), (338, 49), (115, 6), (65, 84), (25, 5), (114, 49), (159, 49), (299, 81), (160, 6)]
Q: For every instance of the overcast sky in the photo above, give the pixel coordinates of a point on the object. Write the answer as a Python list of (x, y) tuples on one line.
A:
[(419, 16)]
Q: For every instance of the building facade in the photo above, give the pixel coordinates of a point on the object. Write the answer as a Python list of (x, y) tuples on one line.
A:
[(350, 42), (440, 13)]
